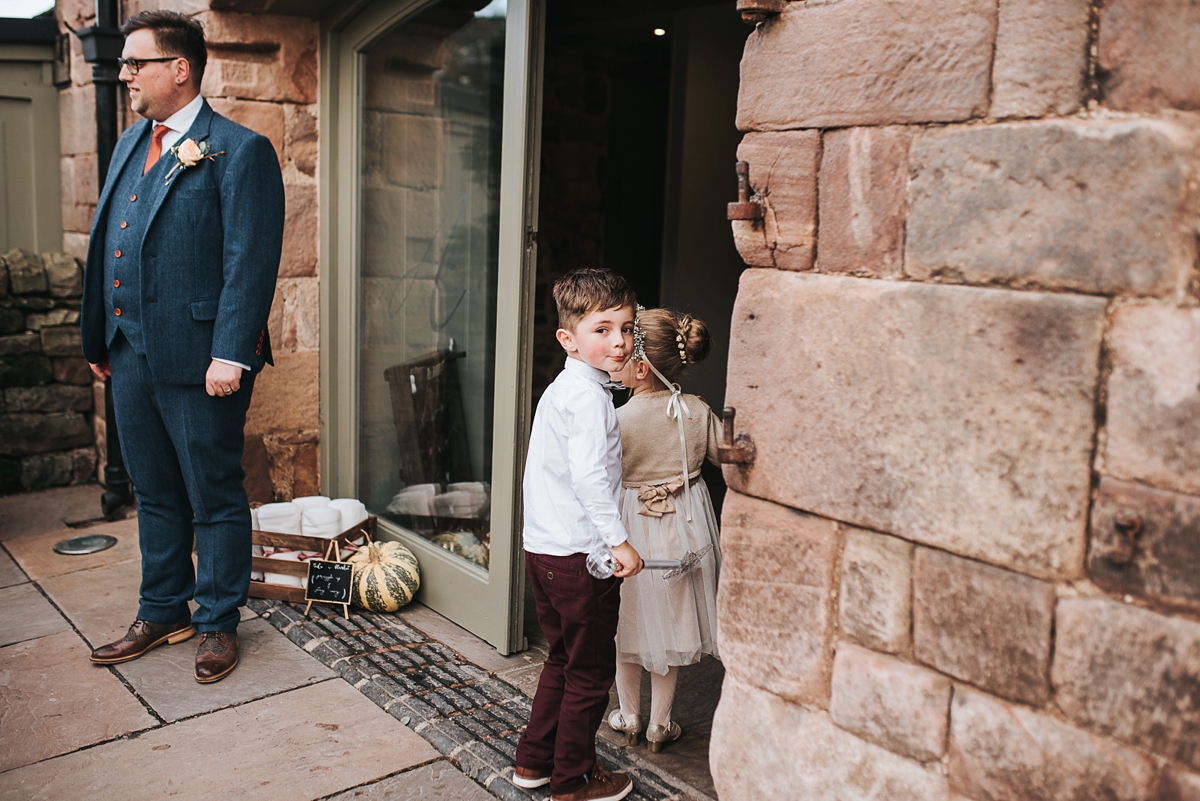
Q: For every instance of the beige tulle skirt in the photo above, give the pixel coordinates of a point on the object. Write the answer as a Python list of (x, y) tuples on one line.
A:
[(667, 622)]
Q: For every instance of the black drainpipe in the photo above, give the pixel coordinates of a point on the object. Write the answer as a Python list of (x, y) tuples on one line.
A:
[(102, 45)]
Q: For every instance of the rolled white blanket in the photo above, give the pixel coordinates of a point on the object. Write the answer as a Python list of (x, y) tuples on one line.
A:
[(353, 511), (290, 556), (255, 550), (460, 503), (480, 488), (464, 499), (414, 500), (311, 501), (321, 521), (279, 518)]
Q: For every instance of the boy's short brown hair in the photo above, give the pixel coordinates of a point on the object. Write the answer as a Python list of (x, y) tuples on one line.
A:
[(581, 292)]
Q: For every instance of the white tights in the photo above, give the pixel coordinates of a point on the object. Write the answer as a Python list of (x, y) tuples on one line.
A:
[(662, 692)]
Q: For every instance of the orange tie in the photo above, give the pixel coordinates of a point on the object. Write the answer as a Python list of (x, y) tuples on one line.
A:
[(155, 147)]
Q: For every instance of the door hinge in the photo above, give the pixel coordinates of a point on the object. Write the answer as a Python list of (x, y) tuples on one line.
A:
[(530, 238)]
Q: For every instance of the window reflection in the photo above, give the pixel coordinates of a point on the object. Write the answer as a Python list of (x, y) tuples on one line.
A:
[(431, 123)]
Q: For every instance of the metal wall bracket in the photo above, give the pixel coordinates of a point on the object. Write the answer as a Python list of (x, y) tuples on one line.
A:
[(746, 207), (756, 11), (1146, 542), (737, 449)]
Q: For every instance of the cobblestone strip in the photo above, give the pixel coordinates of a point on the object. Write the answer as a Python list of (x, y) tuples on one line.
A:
[(468, 715)]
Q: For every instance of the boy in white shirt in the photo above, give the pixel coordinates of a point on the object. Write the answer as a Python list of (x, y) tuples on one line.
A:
[(571, 488)]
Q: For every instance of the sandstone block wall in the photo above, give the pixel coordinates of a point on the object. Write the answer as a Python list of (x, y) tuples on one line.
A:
[(46, 396), (263, 73), (964, 562)]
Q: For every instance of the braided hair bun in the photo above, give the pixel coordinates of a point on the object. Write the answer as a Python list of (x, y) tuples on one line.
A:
[(673, 341)]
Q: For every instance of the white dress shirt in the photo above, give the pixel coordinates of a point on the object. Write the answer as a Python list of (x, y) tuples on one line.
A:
[(573, 472), (178, 124)]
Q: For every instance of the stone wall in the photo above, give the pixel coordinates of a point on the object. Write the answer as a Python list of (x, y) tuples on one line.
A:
[(46, 396), (263, 73), (966, 560)]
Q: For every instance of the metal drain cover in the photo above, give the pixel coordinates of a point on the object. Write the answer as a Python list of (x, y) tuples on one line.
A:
[(90, 543)]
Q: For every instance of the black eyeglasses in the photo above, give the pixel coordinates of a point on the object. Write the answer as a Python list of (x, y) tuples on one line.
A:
[(134, 65)]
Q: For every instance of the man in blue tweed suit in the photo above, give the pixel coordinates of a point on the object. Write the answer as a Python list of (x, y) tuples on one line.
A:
[(181, 272)]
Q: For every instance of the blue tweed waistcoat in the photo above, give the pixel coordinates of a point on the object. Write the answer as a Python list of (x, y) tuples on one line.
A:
[(129, 211)]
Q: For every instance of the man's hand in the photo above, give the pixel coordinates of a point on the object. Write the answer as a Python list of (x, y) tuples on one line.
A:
[(628, 561), (222, 379), (102, 370)]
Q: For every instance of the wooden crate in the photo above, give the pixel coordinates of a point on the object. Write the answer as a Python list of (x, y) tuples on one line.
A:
[(297, 542)]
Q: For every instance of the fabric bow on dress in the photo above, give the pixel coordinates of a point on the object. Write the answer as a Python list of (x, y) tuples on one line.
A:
[(656, 498)]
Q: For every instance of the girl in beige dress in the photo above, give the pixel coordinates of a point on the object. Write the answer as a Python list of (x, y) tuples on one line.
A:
[(665, 436)]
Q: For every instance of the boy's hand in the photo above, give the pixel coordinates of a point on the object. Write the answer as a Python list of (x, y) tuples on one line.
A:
[(628, 561)]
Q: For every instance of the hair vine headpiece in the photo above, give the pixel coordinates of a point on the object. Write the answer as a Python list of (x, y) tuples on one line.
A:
[(639, 337)]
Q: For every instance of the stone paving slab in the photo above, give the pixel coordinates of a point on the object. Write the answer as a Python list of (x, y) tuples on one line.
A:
[(268, 664), (50, 510), (54, 702), (437, 781), (308, 743), (469, 716), (35, 553), (103, 602), (27, 615), (10, 574)]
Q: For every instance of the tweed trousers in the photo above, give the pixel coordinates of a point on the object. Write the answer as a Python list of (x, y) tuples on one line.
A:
[(183, 451)]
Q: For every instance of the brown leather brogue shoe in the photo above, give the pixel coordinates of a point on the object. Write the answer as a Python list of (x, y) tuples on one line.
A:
[(217, 656), (141, 637), (601, 786)]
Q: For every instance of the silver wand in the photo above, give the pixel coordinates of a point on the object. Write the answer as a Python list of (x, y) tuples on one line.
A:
[(602, 564)]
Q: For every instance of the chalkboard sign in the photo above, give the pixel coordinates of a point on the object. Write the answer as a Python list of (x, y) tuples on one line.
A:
[(329, 582)]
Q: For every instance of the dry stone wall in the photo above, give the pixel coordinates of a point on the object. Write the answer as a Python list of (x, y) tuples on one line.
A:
[(964, 561), (46, 396), (263, 73)]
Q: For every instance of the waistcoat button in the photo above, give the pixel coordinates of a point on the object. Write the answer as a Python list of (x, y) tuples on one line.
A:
[(124, 224), (117, 254), (133, 198), (116, 282), (117, 312), (550, 576)]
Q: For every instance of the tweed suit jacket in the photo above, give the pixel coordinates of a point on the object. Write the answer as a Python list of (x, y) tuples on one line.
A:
[(209, 255)]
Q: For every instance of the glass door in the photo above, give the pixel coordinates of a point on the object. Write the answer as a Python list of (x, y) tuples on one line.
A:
[(432, 399)]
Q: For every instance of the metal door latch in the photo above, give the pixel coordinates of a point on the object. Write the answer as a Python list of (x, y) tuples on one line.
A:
[(734, 449), (746, 207)]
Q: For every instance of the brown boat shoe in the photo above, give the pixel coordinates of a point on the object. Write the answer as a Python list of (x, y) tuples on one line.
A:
[(141, 637), (217, 655), (601, 786), (530, 778)]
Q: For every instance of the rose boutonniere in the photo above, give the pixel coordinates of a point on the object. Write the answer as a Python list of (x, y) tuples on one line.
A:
[(188, 154)]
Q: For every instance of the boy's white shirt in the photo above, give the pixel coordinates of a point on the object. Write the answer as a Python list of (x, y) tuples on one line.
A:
[(572, 479)]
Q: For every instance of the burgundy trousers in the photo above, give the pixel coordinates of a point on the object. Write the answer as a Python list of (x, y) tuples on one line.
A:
[(578, 615)]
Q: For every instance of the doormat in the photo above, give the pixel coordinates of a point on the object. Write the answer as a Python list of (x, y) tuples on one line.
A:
[(471, 717)]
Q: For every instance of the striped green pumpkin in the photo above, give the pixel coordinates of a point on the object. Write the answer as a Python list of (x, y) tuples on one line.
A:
[(386, 576)]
